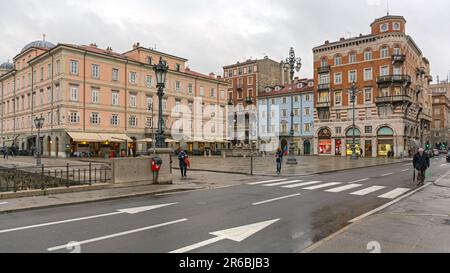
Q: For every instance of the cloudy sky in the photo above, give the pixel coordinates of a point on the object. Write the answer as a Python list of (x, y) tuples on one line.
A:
[(213, 33)]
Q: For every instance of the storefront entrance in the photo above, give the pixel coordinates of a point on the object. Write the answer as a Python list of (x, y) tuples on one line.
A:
[(385, 137), (356, 133), (368, 148), (338, 146), (307, 147), (325, 142)]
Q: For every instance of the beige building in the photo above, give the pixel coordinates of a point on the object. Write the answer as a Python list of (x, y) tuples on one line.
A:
[(104, 103), (440, 128), (393, 101)]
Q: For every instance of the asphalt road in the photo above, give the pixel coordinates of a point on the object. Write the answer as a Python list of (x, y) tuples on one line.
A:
[(290, 215)]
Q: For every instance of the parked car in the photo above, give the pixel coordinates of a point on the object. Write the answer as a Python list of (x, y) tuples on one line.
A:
[(436, 152), (448, 157), (429, 153)]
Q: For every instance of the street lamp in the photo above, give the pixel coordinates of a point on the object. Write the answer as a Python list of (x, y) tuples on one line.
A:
[(291, 65), (150, 108), (352, 94), (39, 123), (161, 73)]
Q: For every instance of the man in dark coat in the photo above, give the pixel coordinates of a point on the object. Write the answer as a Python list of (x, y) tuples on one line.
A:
[(421, 163)]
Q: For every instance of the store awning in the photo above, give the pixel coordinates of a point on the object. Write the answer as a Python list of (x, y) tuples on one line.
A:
[(145, 140), (115, 138), (168, 140), (85, 137)]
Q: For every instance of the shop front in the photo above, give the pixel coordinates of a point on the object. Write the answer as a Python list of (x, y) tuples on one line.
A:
[(353, 133), (338, 147), (325, 147), (99, 145), (385, 137)]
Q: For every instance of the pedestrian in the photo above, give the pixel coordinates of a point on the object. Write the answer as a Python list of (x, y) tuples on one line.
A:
[(421, 163), (5, 152), (184, 162), (279, 159), (361, 152)]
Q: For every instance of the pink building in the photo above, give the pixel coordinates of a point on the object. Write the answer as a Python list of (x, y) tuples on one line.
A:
[(101, 102)]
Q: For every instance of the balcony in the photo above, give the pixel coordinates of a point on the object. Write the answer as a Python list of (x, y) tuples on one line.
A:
[(249, 100), (323, 87), (394, 79), (323, 104), (230, 102), (239, 88), (324, 69), (398, 59), (393, 99)]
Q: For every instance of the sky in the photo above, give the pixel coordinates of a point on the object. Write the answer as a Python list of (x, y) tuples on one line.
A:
[(215, 33)]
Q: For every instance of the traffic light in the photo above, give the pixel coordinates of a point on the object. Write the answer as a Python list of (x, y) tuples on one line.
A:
[(427, 146)]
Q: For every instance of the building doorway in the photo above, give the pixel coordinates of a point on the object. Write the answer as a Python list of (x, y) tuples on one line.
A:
[(57, 147), (368, 148), (325, 141), (385, 137), (307, 147), (284, 144), (49, 146), (356, 133)]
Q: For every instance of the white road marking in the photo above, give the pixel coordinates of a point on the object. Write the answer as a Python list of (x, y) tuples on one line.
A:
[(264, 182), (237, 234), (118, 234), (368, 190), (283, 183), (443, 165), (323, 186), (407, 164), (404, 170), (387, 174), (275, 199), (128, 211), (344, 188), (395, 193), (3, 203), (302, 184), (360, 180)]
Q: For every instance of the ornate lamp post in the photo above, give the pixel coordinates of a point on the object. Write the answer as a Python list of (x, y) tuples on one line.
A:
[(352, 93), (39, 123), (292, 64), (161, 73)]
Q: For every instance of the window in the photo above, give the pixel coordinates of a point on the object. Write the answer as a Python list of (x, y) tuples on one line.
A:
[(384, 70), (397, 70), (177, 106), (115, 120), (284, 113), (115, 98), (368, 74), (149, 60), (73, 93), (95, 71), (177, 86), (324, 62), (385, 92), (338, 60), (58, 67), (149, 103), (95, 118), (42, 73), (250, 81), (338, 78), (148, 81), (384, 52), (202, 91), (307, 127), (74, 67), (338, 115), (396, 26), (74, 117), (49, 71), (222, 94), (230, 73), (240, 71), (352, 57), (307, 111), (212, 93), (149, 122), (397, 51), (190, 106), (115, 74), (338, 98), (296, 127), (164, 103), (284, 100), (368, 129), (324, 79), (352, 77), (384, 27), (307, 98), (133, 77), (178, 67), (133, 100), (250, 69), (368, 95), (367, 55), (133, 122), (190, 88), (95, 95)]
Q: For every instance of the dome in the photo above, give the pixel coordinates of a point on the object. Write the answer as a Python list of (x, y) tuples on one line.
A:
[(6, 66), (38, 44)]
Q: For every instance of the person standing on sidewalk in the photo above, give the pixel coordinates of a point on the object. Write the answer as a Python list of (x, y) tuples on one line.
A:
[(279, 159), (5, 152), (421, 163), (184, 161)]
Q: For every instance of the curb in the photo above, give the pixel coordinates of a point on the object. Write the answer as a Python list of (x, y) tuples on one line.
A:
[(101, 199)]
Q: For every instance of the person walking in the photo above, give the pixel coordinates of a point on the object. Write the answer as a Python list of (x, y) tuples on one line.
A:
[(421, 163), (184, 162), (279, 159), (5, 152)]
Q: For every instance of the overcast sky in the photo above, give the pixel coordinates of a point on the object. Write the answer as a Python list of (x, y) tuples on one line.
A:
[(214, 33)]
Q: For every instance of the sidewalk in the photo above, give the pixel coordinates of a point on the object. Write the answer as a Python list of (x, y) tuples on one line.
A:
[(195, 181), (417, 224)]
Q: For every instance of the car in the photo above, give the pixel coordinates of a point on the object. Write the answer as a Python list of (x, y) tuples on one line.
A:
[(429, 153), (448, 157), (436, 152)]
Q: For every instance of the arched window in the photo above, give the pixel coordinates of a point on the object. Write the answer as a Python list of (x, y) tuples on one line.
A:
[(385, 131), (324, 62), (353, 131), (338, 59)]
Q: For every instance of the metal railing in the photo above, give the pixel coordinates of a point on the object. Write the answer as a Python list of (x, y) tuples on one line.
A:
[(391, 79), (324, 69), (325, 86), (16, 179)]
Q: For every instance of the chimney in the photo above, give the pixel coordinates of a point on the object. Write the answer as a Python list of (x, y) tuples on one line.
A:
[(219, 77), (327, 42), (212, 75), (93, 45), (109, 49), (342, 39), (136, 45)]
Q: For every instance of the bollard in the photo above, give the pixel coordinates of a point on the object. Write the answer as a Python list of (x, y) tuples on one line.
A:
[(251, 165)]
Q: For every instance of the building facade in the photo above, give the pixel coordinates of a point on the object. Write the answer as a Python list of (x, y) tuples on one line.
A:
[(274, 117), (246, 81), (100, 102), (393, 99), (440, 128)]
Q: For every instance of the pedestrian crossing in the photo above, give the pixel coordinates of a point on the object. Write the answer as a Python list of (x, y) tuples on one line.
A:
[(351, 188)]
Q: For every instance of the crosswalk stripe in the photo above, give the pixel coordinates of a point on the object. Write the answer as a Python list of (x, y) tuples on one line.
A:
[(283, 183), (302, 184), (360, 180), (368, 190), (264, 182), (395, 193), (387, 174), (344, 188), (323, 186)]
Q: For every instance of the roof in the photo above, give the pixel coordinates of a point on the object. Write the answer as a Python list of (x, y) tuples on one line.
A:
[(157, 52), (6, 65), (95, 49), (38, 44), (388, 17), (198, 74), (287, 89), (344, 41)]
